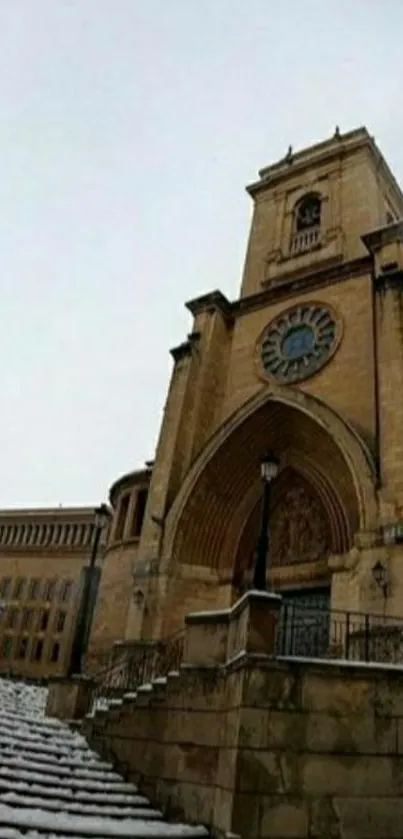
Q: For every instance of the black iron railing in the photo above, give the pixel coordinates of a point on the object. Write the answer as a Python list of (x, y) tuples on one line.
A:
[(135, 667), (313, 632), (303, 631)]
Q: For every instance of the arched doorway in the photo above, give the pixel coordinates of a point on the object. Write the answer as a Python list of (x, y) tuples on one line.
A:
[(325, 494), (300, 540)]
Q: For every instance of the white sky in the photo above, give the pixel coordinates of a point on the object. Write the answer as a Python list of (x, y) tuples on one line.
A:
[(128, 131)]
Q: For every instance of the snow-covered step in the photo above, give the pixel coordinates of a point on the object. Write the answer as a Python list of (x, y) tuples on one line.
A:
[(17, 762), (160, 681), (53, 786), (13, 799), (66, 824), (45, 746), (119, 799), (89, 760), (20, 724), (42, 748), (21, 733), (22, 774)]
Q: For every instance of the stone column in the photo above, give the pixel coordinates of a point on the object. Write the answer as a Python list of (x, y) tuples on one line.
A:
[(140, 620), (69, 698), (252, 641), (386, 248), (196, 387), (248, 628)]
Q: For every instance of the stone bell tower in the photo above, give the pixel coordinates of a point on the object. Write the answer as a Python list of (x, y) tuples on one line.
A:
[(311, 208)]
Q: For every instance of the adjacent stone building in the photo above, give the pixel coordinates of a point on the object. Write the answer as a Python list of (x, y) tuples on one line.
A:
[(42, 555)]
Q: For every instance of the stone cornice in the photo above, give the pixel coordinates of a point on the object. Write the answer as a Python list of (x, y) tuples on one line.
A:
[(377, 239), (59, 552), (48, 515), (182, 351), (301, 284), (139, 477), (324, 152), (214, 301), (289, 286)]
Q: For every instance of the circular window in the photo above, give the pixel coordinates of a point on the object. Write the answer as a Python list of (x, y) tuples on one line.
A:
[(299, 342)]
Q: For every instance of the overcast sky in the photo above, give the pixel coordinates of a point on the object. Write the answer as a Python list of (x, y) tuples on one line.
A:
[(129, 129)]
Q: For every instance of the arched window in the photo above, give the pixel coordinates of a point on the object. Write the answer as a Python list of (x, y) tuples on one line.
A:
[(306, 223)]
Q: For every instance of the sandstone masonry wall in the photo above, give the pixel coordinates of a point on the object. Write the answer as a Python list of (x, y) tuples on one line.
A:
[(264, 748)]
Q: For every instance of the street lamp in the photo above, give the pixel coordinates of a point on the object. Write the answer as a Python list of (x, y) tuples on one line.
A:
[(269, 467), (91, 575), (380, 575), (393, 533)]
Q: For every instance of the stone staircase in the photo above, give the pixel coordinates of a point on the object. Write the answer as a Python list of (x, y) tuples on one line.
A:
[(104, 705), (53, 785), (109, 710)]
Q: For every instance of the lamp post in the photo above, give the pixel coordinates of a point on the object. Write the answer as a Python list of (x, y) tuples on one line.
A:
[(91, 574), (393, 533), (380, 575), (269, 466)]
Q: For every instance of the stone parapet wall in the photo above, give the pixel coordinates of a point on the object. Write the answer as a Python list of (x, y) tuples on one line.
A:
[(264, 748)]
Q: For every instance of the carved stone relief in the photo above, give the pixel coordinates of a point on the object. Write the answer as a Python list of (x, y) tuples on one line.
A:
[(299, 530)]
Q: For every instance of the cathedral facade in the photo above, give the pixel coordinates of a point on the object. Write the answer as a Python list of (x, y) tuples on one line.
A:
[(306, 363)]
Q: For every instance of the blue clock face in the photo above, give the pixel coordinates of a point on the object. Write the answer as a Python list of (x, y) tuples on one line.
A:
[(299, 342)]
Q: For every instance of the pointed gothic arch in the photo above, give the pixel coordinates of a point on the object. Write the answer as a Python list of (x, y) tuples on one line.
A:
[(204, 524)]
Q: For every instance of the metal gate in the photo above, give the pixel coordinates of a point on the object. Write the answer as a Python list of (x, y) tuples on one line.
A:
[(304, 627)]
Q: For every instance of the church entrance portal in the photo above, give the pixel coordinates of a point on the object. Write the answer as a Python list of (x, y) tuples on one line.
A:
[(299, 547), (322, 496)]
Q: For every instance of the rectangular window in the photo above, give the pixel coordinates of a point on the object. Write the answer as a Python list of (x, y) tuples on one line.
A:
[(55, 652), (23, 648), (43, 620), (7, 648), (34, 589), (50, 590), (66, 589), (12, 618), (139, 510), (5, 587), (60, 621), (27, 616), (19, 589), (37, 649), (120, 524)]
